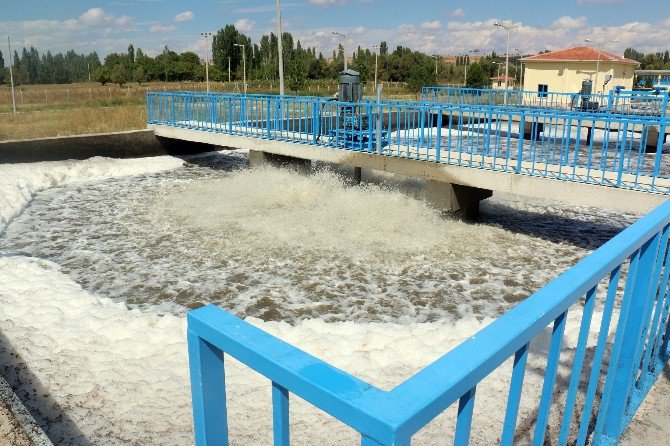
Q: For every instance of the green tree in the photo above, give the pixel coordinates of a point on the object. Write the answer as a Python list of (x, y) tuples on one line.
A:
[(476, 76), (420, 75), (139, 74), (120, 75), (103, 75)]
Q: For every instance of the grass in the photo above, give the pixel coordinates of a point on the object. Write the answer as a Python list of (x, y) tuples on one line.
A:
[(73, 109)]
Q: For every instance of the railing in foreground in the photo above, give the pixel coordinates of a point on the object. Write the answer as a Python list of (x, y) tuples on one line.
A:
[(597, 148), (627, 278), (645, 103)]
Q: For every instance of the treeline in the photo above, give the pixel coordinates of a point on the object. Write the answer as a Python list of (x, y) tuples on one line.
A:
[(651, 61), (32, 68), (228, 44)]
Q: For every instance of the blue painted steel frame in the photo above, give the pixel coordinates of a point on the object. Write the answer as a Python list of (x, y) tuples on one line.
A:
[(462, 134), (391, 418)]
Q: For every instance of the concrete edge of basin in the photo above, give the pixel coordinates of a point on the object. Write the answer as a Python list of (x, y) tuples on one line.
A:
[(23, 417)]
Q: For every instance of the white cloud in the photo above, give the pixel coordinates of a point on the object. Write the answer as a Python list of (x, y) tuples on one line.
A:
[(569, 22), (436, 24), (244, 25), (162, 29), (95, 17), (404, 28), (458, 12), (184, 16)]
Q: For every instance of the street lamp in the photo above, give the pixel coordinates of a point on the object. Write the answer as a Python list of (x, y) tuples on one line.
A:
[(344, 38), (436, 56), (244, 65), (520, 53), (11, 73), (206, 35), (465, 63), (376, 56), (280, 50), (508, 28), (599, 46)]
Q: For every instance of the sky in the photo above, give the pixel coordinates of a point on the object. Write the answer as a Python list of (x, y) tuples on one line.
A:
[(445, 27)]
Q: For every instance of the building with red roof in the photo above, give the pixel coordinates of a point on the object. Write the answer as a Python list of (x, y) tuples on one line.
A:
[(565, 70)]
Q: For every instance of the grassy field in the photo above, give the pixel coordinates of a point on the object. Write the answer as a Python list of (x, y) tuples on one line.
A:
[(72, 109)]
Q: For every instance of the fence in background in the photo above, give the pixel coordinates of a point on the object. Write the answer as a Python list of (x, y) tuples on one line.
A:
[(646, 103), (582, 146), (627, 278)]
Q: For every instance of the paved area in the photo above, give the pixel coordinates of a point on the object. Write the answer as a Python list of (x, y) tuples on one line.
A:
[(651, 424), (11, 433)]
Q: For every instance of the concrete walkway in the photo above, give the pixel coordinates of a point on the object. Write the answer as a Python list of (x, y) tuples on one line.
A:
[(651, 424)]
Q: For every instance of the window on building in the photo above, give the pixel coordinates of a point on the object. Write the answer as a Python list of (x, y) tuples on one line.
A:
[(542, 90)]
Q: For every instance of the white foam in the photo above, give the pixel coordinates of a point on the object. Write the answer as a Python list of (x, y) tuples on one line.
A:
[(120, 376)]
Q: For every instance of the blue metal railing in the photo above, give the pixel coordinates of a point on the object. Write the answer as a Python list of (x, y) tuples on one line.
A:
[(608, 149), (624, 102), (628, 276)]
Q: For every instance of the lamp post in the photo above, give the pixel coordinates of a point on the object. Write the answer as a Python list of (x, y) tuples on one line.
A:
[(465, 64), (280, 50), (229, 78), (11, 73), (244, 65), (344, 38), (508, 28), (206, 35), (376, 56), (599, 46), (520, 53), (436, 56)]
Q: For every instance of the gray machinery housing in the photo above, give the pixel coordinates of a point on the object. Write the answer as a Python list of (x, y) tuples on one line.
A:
[(351, 89), (585, 92)]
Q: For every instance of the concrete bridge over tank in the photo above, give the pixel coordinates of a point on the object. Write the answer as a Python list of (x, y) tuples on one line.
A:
[(464, 152)]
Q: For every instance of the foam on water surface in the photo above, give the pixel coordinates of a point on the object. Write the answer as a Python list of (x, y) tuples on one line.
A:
[(95, 371)]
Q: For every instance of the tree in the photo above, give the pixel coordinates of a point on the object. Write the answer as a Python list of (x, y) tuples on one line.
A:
[(297, 74), (120, 75), (102, 74), (476, 76), (2, 68), (139, 75), (420, 75)]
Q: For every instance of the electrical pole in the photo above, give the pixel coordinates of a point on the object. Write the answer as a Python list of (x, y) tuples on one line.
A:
[(280, 50), (435, 56), (228, 68), (376, 56), (599, 46), (465, 64), (11, 73), (244, 65), (205, 35), (88, 67), (520, 67), (344, 38)]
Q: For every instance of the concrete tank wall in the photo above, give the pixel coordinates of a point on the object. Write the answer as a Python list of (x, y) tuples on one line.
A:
[(132, 144)]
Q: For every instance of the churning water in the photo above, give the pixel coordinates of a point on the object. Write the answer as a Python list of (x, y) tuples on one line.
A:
[(279, 245)]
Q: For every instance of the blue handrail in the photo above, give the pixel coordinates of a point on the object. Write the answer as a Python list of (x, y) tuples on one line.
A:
[(583, 146), (637, 259)]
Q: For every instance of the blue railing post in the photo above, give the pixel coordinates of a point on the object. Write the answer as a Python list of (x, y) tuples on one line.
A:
[(267, 119), (208, 392), (280, 413), (629, 340)]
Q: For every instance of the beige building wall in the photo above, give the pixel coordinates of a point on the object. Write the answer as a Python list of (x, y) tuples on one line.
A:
[(567, 76)]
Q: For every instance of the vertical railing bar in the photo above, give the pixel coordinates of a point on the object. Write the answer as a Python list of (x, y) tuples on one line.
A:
[(514, 397), (280, 415), (549, 379), (466, 405), (576, 372)]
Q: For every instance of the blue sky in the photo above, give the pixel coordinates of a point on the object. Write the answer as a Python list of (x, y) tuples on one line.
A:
[(434, 26)]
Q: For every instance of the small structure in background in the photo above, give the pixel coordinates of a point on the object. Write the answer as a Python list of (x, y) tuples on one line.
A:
[(653, 78), (498, 83), (565, 70)]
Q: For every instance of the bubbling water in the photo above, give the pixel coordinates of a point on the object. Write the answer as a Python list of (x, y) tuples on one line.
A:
[(278, 245)]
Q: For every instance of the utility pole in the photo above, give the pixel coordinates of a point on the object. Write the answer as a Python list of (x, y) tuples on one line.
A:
[(436, 59), (11, 73), (88, 67), (465, 64), (599, 46), (206, 35), (344, 50), (520, 53), (244, 65), (508, 28), (228, 68), (376, 57), (280, 50)]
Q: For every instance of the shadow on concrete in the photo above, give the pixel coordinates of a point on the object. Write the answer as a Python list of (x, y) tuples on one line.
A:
[(47, 412)]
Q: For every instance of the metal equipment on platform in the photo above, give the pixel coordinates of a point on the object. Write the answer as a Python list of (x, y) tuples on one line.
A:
[(354, 130), (586, 93)]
